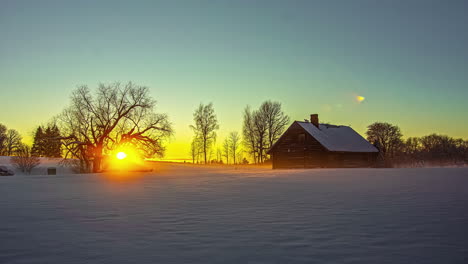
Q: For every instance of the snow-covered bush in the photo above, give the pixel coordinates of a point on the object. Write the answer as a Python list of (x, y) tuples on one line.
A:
[(24, 161)]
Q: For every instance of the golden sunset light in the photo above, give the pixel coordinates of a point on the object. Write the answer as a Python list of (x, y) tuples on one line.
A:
[(234, 131)]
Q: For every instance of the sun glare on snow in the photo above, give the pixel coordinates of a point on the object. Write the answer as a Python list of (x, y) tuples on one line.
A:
[(121, 155)]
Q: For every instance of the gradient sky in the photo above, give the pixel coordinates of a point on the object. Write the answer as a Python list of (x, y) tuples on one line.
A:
[(407, 58)]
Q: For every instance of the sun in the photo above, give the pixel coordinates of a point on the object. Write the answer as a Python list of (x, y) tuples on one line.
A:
[(121, 155), (360, 98)]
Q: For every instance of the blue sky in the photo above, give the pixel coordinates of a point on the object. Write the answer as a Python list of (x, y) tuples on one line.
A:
[(407, 58)]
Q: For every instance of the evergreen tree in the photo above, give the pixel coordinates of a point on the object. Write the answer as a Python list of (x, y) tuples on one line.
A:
[(55, 146), (38, 144), (46, 142)]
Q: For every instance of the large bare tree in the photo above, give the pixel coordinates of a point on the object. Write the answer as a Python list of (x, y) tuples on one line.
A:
[(276, 120), (12, 142), (386, 137), (205, 127), (262, 127), (115, 115)]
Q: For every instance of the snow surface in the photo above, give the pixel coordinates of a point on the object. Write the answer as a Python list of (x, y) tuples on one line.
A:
[(190, 214), (338, 138)]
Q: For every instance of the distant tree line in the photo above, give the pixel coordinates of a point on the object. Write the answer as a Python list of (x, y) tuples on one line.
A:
[(98, 122), (261, 128), (430, 150), (11, 145)]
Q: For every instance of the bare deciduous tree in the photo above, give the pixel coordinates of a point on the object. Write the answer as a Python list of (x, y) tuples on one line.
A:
[(193, 150), (115, 116), (261, 128), (261, 135), (23, 160), (234, 141), (205, 127), (249, 135), (3, 136), (386, 137), (219, 155), (276, 120), (12, 142), (226, 150)]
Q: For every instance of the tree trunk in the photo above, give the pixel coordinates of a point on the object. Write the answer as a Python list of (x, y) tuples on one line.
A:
[(97, 158), (204, 149)]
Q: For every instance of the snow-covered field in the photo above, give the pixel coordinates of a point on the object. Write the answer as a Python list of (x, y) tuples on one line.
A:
[(185, 214)]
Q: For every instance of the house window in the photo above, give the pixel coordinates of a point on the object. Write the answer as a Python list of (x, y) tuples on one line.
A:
[(301, 138)]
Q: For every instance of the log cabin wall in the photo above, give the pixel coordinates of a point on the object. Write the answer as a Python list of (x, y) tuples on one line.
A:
[(351, 159), (298, 149)]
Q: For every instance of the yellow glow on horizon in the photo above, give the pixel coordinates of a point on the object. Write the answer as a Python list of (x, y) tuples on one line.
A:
[(360, 98), (121, 155)]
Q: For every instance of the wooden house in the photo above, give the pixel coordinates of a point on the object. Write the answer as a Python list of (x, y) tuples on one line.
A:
[(309, 144)]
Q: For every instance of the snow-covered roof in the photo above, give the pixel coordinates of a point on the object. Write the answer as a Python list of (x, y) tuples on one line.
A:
[(338, 138)]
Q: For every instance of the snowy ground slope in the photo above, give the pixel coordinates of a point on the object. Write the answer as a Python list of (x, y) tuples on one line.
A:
[(182, 214)]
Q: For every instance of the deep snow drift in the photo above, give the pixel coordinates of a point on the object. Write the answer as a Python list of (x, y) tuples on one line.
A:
[(185, 214)]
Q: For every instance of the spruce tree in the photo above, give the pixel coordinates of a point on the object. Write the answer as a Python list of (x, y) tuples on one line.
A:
[(46, 143), (54, 143), (39, 143)]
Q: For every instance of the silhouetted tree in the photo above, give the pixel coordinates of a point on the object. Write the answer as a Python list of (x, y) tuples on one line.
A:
[(249, 135), (116, 115), (410, 152), (432, 149), (262, 127), (226, 150), (261, 134), (205, 127), (47, 142), (276, 120), (387, 138), (234, 142), (53, 146), (3, 136), (219, 155), (12, 142), (193, 150), (39, 144), (442, 149)]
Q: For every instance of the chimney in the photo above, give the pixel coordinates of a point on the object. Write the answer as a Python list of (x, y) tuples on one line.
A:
[(314, 120)]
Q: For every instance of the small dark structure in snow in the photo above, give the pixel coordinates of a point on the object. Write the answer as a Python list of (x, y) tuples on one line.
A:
[(4, 171), (51, 171), (313, 145)]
